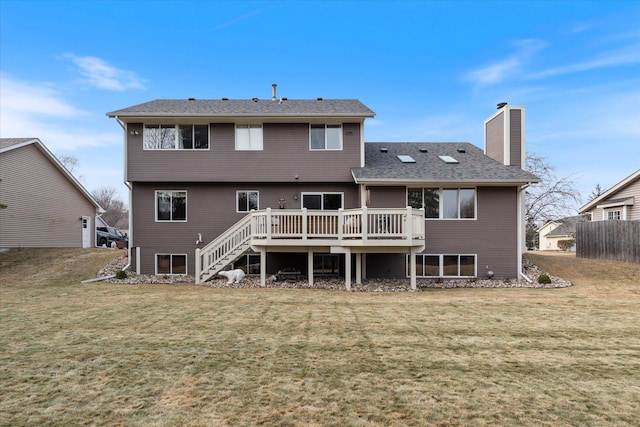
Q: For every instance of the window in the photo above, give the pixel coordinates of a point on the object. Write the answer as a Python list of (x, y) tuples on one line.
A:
[(249, 137), (614, 215), (176, 137), (325, 137), (444, 265), (447, 203), (171, 264), (171, 205), (322, 201), (249, 263), (326, 264), (246, 201)]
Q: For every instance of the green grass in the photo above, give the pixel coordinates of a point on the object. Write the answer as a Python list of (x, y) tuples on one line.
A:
[(100, 354)]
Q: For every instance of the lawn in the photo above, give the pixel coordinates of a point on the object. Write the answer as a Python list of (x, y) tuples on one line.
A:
[(173, 355)]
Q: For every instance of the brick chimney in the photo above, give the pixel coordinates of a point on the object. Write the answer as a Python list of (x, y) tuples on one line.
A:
[(504, 136)]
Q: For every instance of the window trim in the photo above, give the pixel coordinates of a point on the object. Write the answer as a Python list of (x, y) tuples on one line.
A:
[(322, 193), (613, 212), (441, 202), (248, 126), (155, 201), (238, 200), (326, 126), (171, 255), (176, 141), (441, 265)]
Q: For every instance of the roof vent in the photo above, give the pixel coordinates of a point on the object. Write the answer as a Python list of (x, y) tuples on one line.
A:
[(192, 99), (319, 98), (461, 150), (284, 98), (501, 104), (384, 150), (225, 99), (424, 150), (254, 99)]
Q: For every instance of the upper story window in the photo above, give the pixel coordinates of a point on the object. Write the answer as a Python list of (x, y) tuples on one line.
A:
[(445, 203), (171, 206), (249, 137), (325, 137), (322, 201), (246, 201), (176, 137)]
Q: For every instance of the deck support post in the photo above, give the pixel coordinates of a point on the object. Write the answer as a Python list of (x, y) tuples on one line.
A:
[(412, 268), (310, 267), (359, 268), (347, 269), (263, 267)]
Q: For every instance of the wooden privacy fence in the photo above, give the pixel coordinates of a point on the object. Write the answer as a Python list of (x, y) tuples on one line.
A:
[(614, 240)]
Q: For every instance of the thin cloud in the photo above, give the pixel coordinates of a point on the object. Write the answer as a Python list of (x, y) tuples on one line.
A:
[(502, 70), (104, 76), (242, 17), (612, 60), (27, 98)]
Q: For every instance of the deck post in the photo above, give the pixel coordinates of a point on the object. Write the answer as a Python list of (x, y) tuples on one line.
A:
[(263, 266), (412, 267), (364, 224), (347, 269), (359, 268), (310, 267), (198, 266), (305, 224)]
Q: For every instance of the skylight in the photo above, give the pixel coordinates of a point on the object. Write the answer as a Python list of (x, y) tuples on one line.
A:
[(406, 159), (448, 159)]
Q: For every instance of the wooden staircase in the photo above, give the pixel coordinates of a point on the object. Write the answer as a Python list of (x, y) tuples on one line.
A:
[(224, 250)]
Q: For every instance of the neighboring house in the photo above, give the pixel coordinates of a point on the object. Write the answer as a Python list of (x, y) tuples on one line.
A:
[(46, 206), (618, 202), (274, 185), (551, 233)]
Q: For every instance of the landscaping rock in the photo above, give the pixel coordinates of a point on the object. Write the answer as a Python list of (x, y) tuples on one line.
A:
[(337, 284)]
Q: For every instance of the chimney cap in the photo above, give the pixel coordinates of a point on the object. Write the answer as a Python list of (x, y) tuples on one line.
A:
[(501, 105)]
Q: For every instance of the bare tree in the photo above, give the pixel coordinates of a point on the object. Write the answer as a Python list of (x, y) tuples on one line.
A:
[(70, 162), (114, 207), (552, 198)]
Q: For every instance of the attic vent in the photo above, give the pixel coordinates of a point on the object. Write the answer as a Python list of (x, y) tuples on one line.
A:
[(192, 99), (225, 99), (383, 150), (406, 159), (254, 99), (448, 159), (319, 99), (461, 150), (424, 150)]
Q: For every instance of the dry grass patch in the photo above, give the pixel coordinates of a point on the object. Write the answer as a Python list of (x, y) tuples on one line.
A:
[(186, 355)]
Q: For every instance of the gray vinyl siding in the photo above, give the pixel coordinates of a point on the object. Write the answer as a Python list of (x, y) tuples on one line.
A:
[(492, 237), (633, 212), (211, 209), (387, 197), (494, 134), (285, 155), (515, 137), (44, 208)]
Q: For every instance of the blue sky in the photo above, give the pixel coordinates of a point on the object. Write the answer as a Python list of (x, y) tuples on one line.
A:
[(431, 70)]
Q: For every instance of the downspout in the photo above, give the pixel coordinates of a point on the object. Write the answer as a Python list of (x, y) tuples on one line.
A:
[(521, 230), (124, 128)]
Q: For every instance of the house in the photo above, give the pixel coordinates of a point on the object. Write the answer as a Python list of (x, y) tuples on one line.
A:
[(618, 202), (46, 206), (273, 185), (555, 231)]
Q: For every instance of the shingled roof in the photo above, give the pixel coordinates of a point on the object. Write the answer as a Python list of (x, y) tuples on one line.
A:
[(474, 167), (246, 108)]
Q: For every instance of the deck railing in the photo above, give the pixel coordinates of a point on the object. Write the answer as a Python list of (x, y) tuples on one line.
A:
[(361, 223)]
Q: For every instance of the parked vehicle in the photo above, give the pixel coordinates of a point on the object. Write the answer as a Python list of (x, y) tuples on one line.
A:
[(105, 236)]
